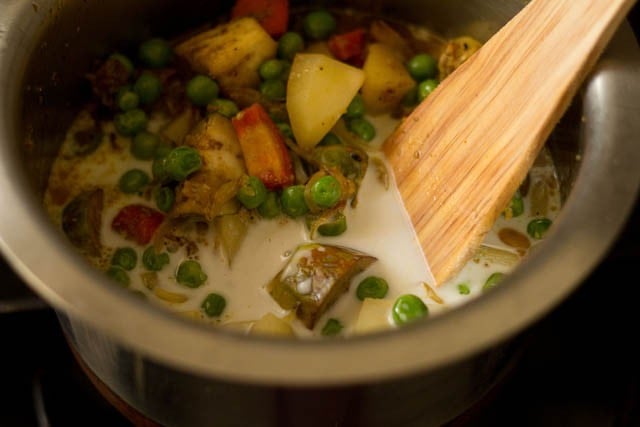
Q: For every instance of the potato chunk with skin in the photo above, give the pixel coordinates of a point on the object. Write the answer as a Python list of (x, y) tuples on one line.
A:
[(231, 53), (387, 80), (315, 277), (207, 191), (318, 94)]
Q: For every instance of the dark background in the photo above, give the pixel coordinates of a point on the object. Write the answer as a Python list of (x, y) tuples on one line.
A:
[(581, 367)]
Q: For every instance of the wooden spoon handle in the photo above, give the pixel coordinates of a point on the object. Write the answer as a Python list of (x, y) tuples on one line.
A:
[(460, 156)]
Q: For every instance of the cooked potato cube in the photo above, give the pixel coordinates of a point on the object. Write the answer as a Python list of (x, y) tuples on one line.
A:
[(315, 277), (271, 325), (231, 53), (373, 316), (318, 94), (386, 81)]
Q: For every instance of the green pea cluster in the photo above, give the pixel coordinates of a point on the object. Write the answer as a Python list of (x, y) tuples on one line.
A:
[(424, 70)]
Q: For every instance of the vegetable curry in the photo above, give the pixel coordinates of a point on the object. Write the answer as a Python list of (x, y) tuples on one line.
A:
[(234, 175)]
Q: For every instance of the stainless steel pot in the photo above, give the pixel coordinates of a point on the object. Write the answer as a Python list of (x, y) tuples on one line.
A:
[(180, 373)]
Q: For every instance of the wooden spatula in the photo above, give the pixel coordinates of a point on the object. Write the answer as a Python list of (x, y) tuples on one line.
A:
[(460, 156)]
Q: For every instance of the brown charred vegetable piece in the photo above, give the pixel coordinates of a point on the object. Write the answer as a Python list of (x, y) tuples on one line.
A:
[(81, 221), (108, 79), (315, 277)]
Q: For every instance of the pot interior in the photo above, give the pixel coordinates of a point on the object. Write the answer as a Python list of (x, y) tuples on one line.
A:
[(63, 40)]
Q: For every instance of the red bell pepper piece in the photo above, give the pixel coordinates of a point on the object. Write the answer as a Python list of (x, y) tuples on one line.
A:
[(273, 15), (348, 46), (263, 147), (137, 222)]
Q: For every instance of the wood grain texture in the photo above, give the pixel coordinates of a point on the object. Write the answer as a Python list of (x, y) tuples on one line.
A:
[(460, 156)]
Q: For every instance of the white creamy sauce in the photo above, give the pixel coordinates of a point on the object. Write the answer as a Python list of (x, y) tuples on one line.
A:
[(378, 226)]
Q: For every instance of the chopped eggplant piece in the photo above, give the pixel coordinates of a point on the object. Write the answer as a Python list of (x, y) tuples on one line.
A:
[(81, 220), (315, 277)]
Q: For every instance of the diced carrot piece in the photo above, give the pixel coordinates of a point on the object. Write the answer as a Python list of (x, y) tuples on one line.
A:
[(137, 222), (348, 46), (273, 15), (263, 147)]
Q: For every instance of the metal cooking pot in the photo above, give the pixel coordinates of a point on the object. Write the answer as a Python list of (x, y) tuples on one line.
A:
[(176, 372)]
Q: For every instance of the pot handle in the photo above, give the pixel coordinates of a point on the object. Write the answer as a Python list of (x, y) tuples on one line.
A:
[(14, 295)]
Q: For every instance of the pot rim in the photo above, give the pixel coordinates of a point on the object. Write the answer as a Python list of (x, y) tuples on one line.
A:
[(603, 195)]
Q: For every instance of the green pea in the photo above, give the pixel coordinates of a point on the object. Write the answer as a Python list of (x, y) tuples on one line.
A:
[(201, 90), (330, 139), (159, 170), (155, 53), (125, 258), (148, 87), (225, 107), (355, 108), (410, 99), (144, 145), (154, 261), (292, 200), (285, 129), (326, 191), (363, 128), (270, 208), (372, 287), (319, 25), (289, 44), (131, 122), (334, 228), (273, 90), (425, 88), (272, 69), (119, 276), (516, 205), (538, 227), (165, 198), (133, 181), (423, 66), (163, 150), (332, 328), (213, 305), (181, 162), (126, 62), (190, 274), (126, 99), (252, 193), (492, 281), (408, 308), (463, 289)]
